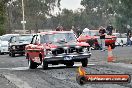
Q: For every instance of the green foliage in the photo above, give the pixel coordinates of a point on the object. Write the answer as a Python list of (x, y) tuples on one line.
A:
[(2, 17), (36, 12), (96, 13)]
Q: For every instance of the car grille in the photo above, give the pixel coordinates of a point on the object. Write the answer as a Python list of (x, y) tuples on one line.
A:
[(20, 47), (70, 50)]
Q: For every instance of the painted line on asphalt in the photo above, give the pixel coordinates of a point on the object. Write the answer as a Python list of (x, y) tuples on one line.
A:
[(17, 81), (73, 65), (26, 68), (17, 68)]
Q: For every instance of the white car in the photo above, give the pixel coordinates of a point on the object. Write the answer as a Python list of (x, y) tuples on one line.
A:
[(121, 39), (0, 43), (4, 43)]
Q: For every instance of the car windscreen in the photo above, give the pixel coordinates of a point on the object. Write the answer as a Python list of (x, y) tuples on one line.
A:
[(91, 33), (59, 37), (6, 37), (25, 38)]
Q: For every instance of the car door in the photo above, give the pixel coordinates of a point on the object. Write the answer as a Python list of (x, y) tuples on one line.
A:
[(32, 47)]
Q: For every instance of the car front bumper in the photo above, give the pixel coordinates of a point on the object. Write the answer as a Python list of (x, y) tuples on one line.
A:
[(67, 57), (4, 50)]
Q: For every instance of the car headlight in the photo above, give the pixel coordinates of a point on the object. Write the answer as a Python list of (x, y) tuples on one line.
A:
[(52, 49), (77, 47), (85, 50), (13, 47), (65, 48), (48, 52)]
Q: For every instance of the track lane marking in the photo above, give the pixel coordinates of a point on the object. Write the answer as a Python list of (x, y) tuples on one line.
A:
[(26, 68)]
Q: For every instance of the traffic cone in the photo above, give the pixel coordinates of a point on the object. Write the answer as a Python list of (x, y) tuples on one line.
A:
[(110, 55)]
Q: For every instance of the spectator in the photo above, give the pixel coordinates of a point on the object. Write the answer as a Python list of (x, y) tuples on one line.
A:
[(59, 28), (129, 34), (109, 29), (102, 32), (73, 29), (79, 32)]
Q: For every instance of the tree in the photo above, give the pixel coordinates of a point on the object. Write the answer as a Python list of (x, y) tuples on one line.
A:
[(36, 12), (99, 12), (2, 17)]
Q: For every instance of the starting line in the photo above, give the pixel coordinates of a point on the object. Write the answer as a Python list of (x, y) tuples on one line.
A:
[(26, 68)]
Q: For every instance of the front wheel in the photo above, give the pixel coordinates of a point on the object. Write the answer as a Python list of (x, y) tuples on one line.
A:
[(70, 64), (44, 65), (12, 54), (32, 65), (0, 52), (84, 62), (9, 54)]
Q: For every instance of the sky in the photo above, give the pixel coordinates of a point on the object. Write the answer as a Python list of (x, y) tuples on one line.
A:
[(69, 4)]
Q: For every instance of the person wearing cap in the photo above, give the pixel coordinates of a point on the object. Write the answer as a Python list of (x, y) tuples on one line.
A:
[(109, 29), (102, 33), (129, 35)]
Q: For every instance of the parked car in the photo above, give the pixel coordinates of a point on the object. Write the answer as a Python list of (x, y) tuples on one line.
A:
[(121, 39), (0, 43), (92, 37), (17, 44), (56, 47), (4, 43)]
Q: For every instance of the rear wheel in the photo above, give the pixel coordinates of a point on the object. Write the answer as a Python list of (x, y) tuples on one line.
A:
[(32, 65), (84, 62)]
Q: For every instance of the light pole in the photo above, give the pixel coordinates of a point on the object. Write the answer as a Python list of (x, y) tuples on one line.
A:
[(23, 18)]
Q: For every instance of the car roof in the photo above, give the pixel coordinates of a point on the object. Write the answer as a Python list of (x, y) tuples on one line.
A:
[(93, 30), (9, 34), (25, 34), (54, 32)]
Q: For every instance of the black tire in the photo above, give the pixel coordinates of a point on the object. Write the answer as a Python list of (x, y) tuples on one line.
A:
[(70, 64), (0, 53), (84, 62), (44, 65), (12, 54), (32, 65), (9, 54), (112, 46)]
